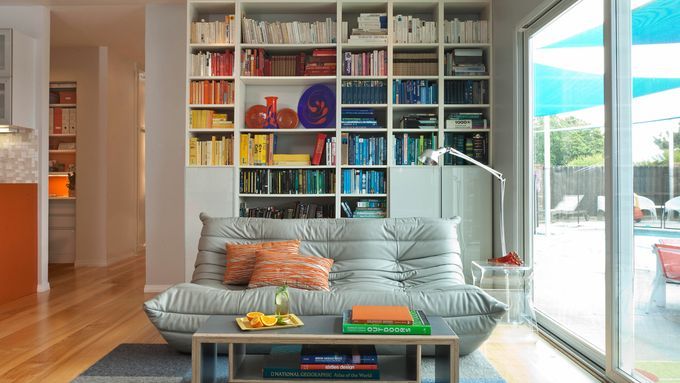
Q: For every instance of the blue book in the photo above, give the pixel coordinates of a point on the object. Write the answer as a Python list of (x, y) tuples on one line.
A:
[(338, 354)]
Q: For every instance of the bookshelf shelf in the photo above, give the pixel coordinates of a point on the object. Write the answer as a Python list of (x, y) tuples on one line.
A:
[(287, 195), (63, 105), (289, 131), (193, 78), (251, 90), (58, 174), (287, 167), (63, 151), (63, 135), (211, 106), (54, 198), (287, 80)]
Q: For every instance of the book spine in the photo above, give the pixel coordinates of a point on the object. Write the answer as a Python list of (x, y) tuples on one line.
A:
[(353, 328), (376, 321), (341, 367), (286, 373)]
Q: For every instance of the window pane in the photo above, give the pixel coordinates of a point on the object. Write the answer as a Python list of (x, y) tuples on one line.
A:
[(567, 84)]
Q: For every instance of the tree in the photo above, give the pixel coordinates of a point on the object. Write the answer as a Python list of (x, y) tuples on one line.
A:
[(577, 147)]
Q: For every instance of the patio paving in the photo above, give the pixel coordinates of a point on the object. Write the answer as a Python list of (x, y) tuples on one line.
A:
[(569, 285)]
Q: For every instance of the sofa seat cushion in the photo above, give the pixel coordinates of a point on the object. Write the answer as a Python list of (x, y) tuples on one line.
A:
[(180, 310)]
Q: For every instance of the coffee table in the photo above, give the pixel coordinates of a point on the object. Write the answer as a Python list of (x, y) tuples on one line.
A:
[(247, 368)]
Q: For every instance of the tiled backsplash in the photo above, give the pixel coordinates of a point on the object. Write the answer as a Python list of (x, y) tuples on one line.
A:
[(19, 157)]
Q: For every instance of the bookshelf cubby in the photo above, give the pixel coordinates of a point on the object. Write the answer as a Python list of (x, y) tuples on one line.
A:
[(382, 63), (62, 138)]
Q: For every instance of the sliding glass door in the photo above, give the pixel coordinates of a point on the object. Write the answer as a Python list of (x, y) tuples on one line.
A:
[(565, 136)]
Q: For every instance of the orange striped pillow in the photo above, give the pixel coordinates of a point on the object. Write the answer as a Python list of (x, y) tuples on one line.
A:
[(241, 258), (299, 271)]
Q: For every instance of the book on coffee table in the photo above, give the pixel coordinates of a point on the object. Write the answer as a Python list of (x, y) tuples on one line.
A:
[(420, 326), (381, 315), (283, 362)]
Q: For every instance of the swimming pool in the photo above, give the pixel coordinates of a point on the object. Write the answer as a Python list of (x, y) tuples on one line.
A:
[(656, 232)]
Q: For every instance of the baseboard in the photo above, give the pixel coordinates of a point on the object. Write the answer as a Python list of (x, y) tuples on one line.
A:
[(155, 288), (43, 287), (120, 256)]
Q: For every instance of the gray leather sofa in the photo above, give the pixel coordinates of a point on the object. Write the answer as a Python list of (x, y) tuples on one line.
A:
[(397, 261)]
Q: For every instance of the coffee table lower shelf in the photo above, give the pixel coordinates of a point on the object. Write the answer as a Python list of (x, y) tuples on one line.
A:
[(248, 368)]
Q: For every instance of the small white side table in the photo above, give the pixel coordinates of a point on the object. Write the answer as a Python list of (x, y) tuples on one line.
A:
[(516, 315)]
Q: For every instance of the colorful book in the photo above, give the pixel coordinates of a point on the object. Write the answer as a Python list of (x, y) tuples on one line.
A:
[(420, 326), (381, 315), (284, 363), (338, 354), (318, 148), (336, 366)]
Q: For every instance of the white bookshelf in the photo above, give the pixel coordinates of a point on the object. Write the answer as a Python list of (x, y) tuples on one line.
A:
[(249, 90)]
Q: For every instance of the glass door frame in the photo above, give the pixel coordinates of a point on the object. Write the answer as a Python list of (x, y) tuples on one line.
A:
[(618, 178)]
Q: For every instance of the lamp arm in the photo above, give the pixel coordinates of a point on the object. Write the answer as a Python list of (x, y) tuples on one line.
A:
[(496, 174)]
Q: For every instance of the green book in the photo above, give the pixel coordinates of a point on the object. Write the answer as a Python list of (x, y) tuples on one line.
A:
[(420, 326)]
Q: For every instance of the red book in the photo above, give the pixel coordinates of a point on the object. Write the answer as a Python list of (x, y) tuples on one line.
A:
[(338, 367), (381, 315), (318, 148), (57, 121), (324, 52)]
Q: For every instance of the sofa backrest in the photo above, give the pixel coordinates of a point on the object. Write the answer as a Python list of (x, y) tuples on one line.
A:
[(409, 253)]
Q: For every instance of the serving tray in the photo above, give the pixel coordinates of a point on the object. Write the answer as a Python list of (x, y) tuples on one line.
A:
[(244, 324)]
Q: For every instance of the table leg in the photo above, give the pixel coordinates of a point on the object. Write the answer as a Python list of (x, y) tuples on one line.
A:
[(204, 357), (446, 363), (507, 295)]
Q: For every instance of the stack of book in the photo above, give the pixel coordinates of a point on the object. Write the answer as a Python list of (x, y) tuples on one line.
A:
[(321, 63), (415, 64), (215, 151), (466, 31), (358, 181), (296, 210), (365, 208), (385, 320), (209, 119), (212, 64), (409, 29), (464, 62), (257, 149), (359, 118), (466, 120), (407, 148), (372, 28), (214, 32), (338, 362), (288, 181), (474, 145), (211, 92), (414, 92), (360, 150), (419, 121), (364, 92), (466, 92), (295, 32), (372, 63)]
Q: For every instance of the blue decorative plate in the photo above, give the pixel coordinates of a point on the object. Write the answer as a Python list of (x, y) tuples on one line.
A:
[(316, 108)]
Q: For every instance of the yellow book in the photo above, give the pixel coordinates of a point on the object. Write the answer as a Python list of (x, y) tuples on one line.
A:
[(292, 159), (245, 138), (193, 142)]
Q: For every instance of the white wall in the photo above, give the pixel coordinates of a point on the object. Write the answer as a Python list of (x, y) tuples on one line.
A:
[(81, 64), (165, 102), (121, 158), (508, 138), (34, 21)]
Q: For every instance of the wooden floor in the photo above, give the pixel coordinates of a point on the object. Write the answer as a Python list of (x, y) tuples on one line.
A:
[(54, 336)]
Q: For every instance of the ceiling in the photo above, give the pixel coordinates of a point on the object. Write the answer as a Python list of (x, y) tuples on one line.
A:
[(117, 24)]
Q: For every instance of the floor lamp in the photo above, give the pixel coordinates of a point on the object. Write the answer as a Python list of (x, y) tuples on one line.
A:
[(431, 157)]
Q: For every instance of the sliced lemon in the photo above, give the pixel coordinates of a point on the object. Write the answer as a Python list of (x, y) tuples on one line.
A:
[(256, 322), (254, 314), (269, 320)]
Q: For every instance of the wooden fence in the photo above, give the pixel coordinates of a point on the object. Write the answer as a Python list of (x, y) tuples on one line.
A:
[(648, 181)]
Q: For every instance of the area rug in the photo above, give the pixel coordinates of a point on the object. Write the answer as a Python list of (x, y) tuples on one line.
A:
[(158, 363)]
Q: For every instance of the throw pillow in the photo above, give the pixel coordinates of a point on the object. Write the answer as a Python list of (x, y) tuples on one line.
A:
[(241, 258), (299, 271)]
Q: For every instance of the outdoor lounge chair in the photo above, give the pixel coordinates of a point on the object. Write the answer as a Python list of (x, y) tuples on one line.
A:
[(667, 271), (672, 205), (600, 204), (646, 204), (568, 206)]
